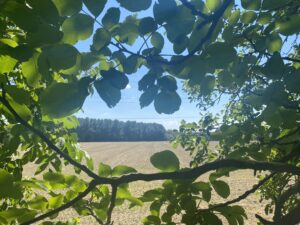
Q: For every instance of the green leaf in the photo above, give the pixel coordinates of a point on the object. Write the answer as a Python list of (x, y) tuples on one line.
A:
[(147, 81), (131, 64), (77, 27), (201, 186), (54, 177), (9, 42), (76, 184), (148, 96), (147, 25), (45, 34), (60, 56), (168, 83), (213, 5), (165, 161), (63, 99), (56, 201), (128, 31), (180, 25), (31, 72), (155, 220), (7, 187), (151, 195), (167, 102), (21, 15), (135, 6), (289, 26), (104, 170), (88, 60), (207, 85), (89, 161), (7, 64), (20, 214), (272, 5), (164, 10), (197, 35), (46, 10), (68, 7), (251, 4), (221, 187), (101, 213), (234, 214), (274, 67), (264, 18), (180, 44), (292, 81), (211, 219), (20, 107), (157, 40), (101, 39), (121, 170), (116, 78), (273, 43), (109, 94), (38, 203), (111, 17), (248, 17), (219, 54), (95, 6)]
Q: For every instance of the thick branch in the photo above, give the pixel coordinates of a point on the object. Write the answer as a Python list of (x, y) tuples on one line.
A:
[(198, 171), (92, 184)]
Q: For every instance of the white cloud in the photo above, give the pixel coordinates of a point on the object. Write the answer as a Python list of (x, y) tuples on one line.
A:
[(128, 86)]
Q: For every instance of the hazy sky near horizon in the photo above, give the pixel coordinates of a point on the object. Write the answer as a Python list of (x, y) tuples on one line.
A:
[(128, 108)]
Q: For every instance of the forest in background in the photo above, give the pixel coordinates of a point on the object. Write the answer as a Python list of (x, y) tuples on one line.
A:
[(114, 130)]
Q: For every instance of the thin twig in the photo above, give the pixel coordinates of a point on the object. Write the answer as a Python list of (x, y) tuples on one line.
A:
[(112, 204), (80, 196), (241, 197)]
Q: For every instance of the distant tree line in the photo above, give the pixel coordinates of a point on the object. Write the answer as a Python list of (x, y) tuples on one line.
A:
[(115, 130)]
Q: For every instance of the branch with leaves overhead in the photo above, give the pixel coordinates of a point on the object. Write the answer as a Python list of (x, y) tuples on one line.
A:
[(218, 48), (115, 182)]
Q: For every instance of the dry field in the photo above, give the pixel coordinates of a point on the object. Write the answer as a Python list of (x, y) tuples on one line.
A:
[(137, 155)]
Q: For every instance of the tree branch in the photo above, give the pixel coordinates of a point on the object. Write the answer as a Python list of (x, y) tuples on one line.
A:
[(49, 143), (241, 197), (80, 196), (112, 203), (198, 171), (214, 21)]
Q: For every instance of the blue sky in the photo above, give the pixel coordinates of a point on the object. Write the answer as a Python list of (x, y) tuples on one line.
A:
[(128, 108)]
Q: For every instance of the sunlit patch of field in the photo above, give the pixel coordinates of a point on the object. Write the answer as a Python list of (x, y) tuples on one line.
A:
[(137, 155)]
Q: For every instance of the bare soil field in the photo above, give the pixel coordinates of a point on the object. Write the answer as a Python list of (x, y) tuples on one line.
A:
[(137, 155)]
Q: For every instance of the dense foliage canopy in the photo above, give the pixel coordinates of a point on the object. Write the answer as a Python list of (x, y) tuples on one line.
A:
[(247, 51), (115, 130)]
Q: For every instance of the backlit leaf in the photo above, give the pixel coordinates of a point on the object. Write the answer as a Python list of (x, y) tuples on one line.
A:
[(77, 27), (135, 6), (121, 170), (95, 6), (111, 17), (68, 7), (165, 161), (110, 94), (167, 102)]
